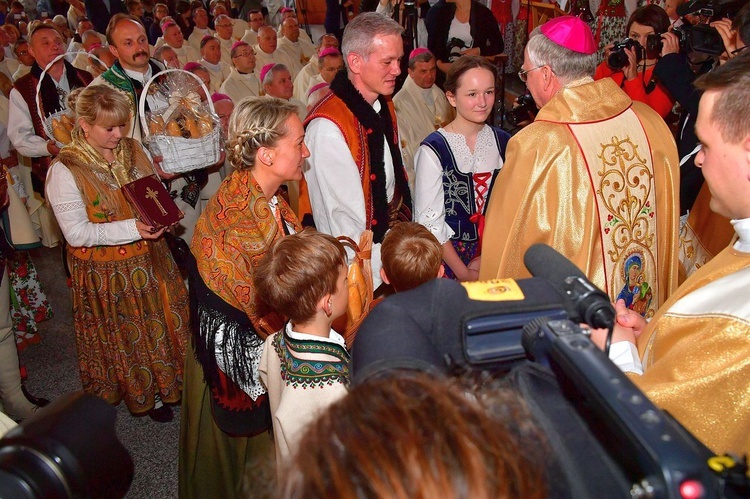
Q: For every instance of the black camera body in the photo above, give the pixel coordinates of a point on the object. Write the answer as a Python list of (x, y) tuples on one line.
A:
[(700, 38), (654, 44), (525, 109), (703, 38), (457, 42), (455, 46), (618, 59)]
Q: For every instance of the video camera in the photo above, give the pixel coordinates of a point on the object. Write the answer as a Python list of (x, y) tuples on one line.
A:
[(606, 438), (67, 449), (701, 37)]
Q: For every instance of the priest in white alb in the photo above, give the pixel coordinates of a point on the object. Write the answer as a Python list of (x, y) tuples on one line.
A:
[(303, 81), (242, 80)]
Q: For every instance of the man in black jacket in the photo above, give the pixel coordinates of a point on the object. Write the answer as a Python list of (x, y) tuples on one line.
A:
[(674, 72), (101, 11)]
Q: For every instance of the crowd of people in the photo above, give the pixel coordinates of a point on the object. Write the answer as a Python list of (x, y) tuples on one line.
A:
[(232, 312)]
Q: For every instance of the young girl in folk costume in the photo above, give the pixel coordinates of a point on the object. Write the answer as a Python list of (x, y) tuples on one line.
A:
[(130, 304), (456, 166)]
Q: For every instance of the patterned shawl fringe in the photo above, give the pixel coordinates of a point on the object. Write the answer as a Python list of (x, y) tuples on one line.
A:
[(210, 313)]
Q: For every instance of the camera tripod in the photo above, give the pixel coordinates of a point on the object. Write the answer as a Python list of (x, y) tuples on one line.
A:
[(410, 18), (301, 7)]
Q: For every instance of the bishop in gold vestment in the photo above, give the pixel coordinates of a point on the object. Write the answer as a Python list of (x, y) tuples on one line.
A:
[(595, 177)]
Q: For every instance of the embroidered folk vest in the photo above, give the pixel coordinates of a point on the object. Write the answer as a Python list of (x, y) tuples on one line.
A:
[(335, 110), (458, 187)]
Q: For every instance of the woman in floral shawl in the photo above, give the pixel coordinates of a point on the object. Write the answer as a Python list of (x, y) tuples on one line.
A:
[(225, 412)]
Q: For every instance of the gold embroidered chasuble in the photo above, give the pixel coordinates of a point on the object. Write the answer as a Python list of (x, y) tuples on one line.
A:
[(696, 353), (595, 177), (704, 235)]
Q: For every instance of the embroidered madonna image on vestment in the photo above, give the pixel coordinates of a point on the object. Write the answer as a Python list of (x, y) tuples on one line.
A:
[(622, 173), (636, 292), (627, 199)]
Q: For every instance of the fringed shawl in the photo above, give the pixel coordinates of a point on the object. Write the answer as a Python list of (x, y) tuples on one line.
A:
[(233, 233)]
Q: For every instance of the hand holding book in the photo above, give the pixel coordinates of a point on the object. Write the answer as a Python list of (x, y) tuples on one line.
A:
[(155, 207)]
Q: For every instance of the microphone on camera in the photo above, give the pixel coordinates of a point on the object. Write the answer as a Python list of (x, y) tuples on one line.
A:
[(584, 301)]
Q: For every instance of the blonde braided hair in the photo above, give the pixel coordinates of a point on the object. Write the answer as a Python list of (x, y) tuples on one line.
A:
[(256, 122)]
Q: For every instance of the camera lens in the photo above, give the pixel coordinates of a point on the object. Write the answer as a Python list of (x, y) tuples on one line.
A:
[(618, 59)]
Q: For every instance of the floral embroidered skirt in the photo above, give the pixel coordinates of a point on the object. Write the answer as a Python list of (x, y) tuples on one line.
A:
[(519, 43), (131, 315), (29, 304), (508, 30)]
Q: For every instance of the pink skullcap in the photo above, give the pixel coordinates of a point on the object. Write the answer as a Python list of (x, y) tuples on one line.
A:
[(570, 32), (93, 47), (239, 43), (217, 97), (207, 38), (265, 70), (167, 25), (417, 51), (190, 66), (329, 51), (316, 87), (284, 10)]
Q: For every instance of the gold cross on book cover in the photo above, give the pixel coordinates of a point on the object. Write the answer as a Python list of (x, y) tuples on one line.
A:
[(152, 202)]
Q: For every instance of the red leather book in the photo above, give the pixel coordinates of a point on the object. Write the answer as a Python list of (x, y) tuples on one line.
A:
[(152, 202)]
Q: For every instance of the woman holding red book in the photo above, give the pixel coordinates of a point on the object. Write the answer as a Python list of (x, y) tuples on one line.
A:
[(130, 304)]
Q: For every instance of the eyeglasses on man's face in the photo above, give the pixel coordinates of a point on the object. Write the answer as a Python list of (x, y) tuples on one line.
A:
[(522, 74)]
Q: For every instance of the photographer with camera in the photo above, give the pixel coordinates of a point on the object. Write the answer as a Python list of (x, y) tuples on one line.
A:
[(461, 27), (631, 62), (674, 71)]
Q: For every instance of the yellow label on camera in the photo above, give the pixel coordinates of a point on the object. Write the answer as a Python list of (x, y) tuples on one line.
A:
[(494, 290)]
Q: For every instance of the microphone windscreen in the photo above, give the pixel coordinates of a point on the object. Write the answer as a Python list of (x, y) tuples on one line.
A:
[(543, 261)]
